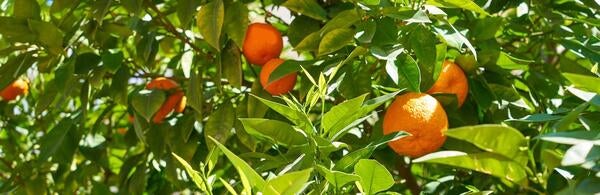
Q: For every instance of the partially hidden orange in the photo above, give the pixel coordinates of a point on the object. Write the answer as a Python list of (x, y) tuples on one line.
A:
[(15, 89), (262, 43), (279, 86), (452, 80), (181, 105), (168, 106), (423, 117), (162, 83)]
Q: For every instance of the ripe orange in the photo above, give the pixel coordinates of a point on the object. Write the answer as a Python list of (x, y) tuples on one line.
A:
[(162, 83), (167, 107), (279, 86), (420, 115), (451, 80), (181, 105), (15, 89), (262, 43)]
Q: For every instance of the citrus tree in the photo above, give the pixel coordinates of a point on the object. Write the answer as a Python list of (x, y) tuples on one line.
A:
[(299, 96)]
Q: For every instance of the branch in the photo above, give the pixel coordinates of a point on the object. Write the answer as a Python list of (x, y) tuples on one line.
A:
[(411, 182), (162, 20)]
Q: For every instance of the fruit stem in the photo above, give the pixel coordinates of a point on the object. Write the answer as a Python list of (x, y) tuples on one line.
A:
[(411, 182)]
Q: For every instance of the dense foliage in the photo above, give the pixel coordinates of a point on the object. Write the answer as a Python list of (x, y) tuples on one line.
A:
[(530, 123)]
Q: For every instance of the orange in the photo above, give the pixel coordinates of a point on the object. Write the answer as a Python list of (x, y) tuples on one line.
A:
[(15, 89), (279, 86), (420, 115), (451, 80), (167, 107), (162, 83), (262, 43)]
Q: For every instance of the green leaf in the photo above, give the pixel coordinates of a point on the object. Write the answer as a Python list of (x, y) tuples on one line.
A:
[(137, 181), (423, 42), (195, 95), (232, 65), (407, 71), (498, 139), (297, 117), (289, 183), (486, 28), (256, 109), (582, 49), (14, 68), (288, 67), (581, 153), (508, 62), (352, 158), (571, 137), (228, 186), (48, 35), (309, 8), (464, 4), (133, 6), (300, 28), (565, 122), (16, 30), (60, 143), (220, 124), (186, 9), (340, 112), (210, 20), (276, 132), (248, 176), (368, 106), (112, 61), (337, 178), (86, 62), (386, 32), (537, 118), (26, 9), (485, 162), (335, 40), (583, 82), (147, 102), (309, 43), (59, 5), (192, 173), (374, 177), (357, 51), (343, 20), (236, 21)]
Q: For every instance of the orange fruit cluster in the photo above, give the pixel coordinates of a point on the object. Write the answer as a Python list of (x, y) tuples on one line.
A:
[(176, 101), (14, 90), (423, 116), (262, 46)]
